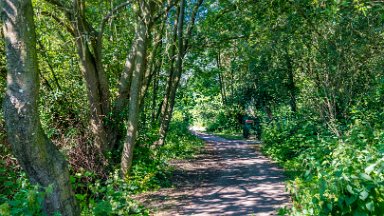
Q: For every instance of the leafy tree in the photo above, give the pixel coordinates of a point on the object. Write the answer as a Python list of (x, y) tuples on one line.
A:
[(42, 161)]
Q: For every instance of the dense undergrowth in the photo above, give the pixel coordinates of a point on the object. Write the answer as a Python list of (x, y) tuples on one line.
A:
[(109, 195), (331, 175)]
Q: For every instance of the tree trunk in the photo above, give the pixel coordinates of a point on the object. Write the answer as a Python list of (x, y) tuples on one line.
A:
[(37, 155), (121, 102), (155, 64), (221, 79), (94, 75), (174, 80), (134, 106), (173, 83), (155, 88), (89, 71), (124, 84), (164, 104)]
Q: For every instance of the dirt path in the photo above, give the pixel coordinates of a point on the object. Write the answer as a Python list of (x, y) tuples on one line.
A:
[(229, 178)]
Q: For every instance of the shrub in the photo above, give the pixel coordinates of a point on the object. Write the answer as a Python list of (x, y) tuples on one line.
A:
[(332, 176)]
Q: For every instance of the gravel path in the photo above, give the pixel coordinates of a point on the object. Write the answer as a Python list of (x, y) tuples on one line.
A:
[(230, 178)]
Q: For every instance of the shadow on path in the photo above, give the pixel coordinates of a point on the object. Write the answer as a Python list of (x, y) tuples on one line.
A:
[(229, 178)]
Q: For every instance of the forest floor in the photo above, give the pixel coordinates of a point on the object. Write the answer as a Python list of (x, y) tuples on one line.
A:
[(230, 177)]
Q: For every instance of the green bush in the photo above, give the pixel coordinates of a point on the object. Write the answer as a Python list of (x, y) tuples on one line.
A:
[(180, 142), (223, 121), (110, 197), (289, 140), (19, 197), (332, 176)]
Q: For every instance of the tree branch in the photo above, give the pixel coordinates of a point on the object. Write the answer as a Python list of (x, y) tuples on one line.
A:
[(60, 4), (191, 25), (111, 14), (166, 10), (59, 21)]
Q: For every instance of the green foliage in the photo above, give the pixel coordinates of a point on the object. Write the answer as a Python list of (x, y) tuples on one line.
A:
[(253, 58), (224, 121), (331, 176), (150, 171), (18, 196), (112, 195), (109, 197), (180, 142), (287, 138)]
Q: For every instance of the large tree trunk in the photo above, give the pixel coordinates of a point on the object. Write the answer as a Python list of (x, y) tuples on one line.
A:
[(37, 155), (89, 72), (94, 75), (134, 105)]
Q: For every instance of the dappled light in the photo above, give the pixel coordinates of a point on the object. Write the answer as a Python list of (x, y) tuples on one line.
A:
[(191, 107), (229, 178)]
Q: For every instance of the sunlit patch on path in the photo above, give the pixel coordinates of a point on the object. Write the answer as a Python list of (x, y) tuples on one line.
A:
[(229, 178)]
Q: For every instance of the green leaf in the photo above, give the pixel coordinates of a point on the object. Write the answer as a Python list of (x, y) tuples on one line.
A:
[(370, 168), (103, 208), (81, 197), (363, 195), (5, 209), (359, 213), (323, 187), (49, 189), (350, 190), (8, 184), (370, 206), (365, 177)]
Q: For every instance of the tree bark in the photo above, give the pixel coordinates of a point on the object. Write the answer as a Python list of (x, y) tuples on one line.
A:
[(94, 75), (174, 79), (122, 99), (155, 89), (154, 63), (141, 38), (37, 155), (164, 104), (221, 78)]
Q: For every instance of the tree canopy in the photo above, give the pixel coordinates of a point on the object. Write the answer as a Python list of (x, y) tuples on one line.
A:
[(111, 87)]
